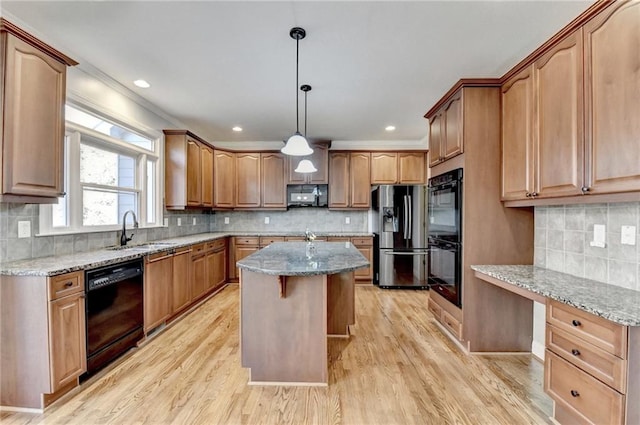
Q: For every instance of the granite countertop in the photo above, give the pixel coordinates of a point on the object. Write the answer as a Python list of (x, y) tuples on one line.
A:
[(289, 259), (51, 266), (620, 305)]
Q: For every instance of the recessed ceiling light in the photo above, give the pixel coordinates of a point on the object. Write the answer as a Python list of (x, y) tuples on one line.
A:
[(236, 128), (390, 127), (142, 84)]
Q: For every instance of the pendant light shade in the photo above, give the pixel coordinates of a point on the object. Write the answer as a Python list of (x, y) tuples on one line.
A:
[(297, 144), (305, 166)]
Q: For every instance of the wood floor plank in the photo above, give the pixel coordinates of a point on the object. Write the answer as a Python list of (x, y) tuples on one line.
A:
[(396, 368)]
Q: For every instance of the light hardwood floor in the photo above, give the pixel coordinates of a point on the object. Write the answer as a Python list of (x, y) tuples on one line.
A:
[(397, 368)]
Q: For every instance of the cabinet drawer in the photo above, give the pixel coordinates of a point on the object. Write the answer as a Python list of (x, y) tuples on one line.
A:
[(452, 324), (338, 239), (434, 308), (294, 239), (589, 399), (216, 245), (268, 240), (600, 332), (66, 284), (247, 240), (198, 249), (605, 366), (367, 241)]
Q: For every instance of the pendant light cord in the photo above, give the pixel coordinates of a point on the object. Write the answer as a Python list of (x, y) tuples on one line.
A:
[(297, 94), (305, 114)]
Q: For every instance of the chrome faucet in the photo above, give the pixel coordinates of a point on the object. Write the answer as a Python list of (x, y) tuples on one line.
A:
[(123, 237), (309, 236)]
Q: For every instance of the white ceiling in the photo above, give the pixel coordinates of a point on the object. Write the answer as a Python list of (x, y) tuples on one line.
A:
[(214, 64)]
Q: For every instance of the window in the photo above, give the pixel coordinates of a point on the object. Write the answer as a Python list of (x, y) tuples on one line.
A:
[(109, 169)]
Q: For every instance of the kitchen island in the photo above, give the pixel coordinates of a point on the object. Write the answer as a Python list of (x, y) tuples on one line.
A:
[(290, 302)]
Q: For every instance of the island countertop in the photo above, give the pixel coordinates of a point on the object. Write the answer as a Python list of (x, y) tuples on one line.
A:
[(289, 259)]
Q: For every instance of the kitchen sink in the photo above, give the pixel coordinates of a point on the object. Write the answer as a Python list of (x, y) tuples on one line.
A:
[(144, 246)]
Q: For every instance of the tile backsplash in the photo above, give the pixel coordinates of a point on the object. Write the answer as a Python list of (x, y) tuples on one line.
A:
[(563, 236)]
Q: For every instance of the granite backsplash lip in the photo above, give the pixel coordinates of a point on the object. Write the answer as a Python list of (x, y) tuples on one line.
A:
[(289, 259), (55, 265), (614, 303)]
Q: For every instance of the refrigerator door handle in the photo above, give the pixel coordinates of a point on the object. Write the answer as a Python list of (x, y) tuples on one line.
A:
[(405, 218), (410, 214), (406, 253)]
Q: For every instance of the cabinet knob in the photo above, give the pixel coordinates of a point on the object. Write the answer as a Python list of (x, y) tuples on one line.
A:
[(534, 194), (528, 194), (574, 393), (575, 352), (68, 284), (575, 322), (585, 190)]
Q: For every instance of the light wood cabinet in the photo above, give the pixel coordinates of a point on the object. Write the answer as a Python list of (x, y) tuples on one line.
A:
[(158, 289), (590, 366), (349, 180), (446, 131), (181, 281), (33, 91), (398, 168), (68, 345), (198, 271), (365, 246), (248, 180), (319, 158), (612, 97), (274, 185), (188, 171), (224, 179), (216, 259)]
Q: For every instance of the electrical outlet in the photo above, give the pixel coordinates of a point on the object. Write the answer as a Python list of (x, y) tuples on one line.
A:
[(194, 221), (347, 220), (266, 220), (226, 220), (24, 229), (179, 221), (166, 222), (628, 235)]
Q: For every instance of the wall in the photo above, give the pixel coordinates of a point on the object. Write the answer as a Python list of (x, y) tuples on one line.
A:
[(562, 243)]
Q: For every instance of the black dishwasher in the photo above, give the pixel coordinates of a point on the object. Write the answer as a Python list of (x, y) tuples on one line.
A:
[(115, 314)]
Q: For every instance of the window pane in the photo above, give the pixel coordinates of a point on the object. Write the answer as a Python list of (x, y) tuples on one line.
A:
[(59, 213), (99, 166), (98, 124), (101, 207), (151, 192)]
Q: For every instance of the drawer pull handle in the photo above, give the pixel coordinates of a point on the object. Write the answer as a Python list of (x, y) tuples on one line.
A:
[(575, 322), (575, 352), (574, 393), (68, 284)]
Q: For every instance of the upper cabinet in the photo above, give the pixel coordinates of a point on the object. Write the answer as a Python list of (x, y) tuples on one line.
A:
[(248, 180), (319, 158), (188, 171), (349, 184), (566, 127), (224, 176), (32, 111), (445, 131), (398, 168), (274, 184)]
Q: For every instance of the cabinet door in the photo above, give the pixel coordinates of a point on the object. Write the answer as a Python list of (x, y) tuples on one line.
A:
[(411, 167), (206, 175), (436, 134), (158, 291), (241, 252), (274, 187), (453, 122), (612, 98), (517, 130), (224, 179), (559, 144), (198, 276), (181, 282), (359, 179), (384, 168), (366, 273), (248, 180), (339, 180), (319, 158), (67, 338), (33, 121), (194, 166), (217, 268)]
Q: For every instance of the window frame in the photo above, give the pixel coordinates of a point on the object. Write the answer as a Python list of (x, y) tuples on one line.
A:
[(74, 187)]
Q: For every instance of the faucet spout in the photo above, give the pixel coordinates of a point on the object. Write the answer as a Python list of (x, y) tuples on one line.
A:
[(123, 237)]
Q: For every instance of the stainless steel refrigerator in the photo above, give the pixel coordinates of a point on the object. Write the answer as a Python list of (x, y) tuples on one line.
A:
[(400, 256)]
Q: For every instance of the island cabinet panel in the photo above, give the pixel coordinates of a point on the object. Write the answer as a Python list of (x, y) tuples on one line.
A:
[(319, 158), (224, 179), (158, 290), (33, 91), (248, 180), (612, 84), (274, 184), (181, 280)]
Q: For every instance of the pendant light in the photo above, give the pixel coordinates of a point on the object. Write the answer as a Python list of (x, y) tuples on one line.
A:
[(297, 144), (305, 166)]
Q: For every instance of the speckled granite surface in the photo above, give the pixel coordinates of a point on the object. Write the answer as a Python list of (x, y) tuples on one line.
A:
[(50, 266), (620, 305), (289, 259)]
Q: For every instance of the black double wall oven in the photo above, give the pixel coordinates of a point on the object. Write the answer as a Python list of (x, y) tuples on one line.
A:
[(444, 235)]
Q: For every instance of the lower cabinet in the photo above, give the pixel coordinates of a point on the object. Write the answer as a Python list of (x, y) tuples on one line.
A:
[(365, 246), (181, 280), (448, 315), (158, 289), (243, 246), (198, 271), (590, 367), (216, 259)]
